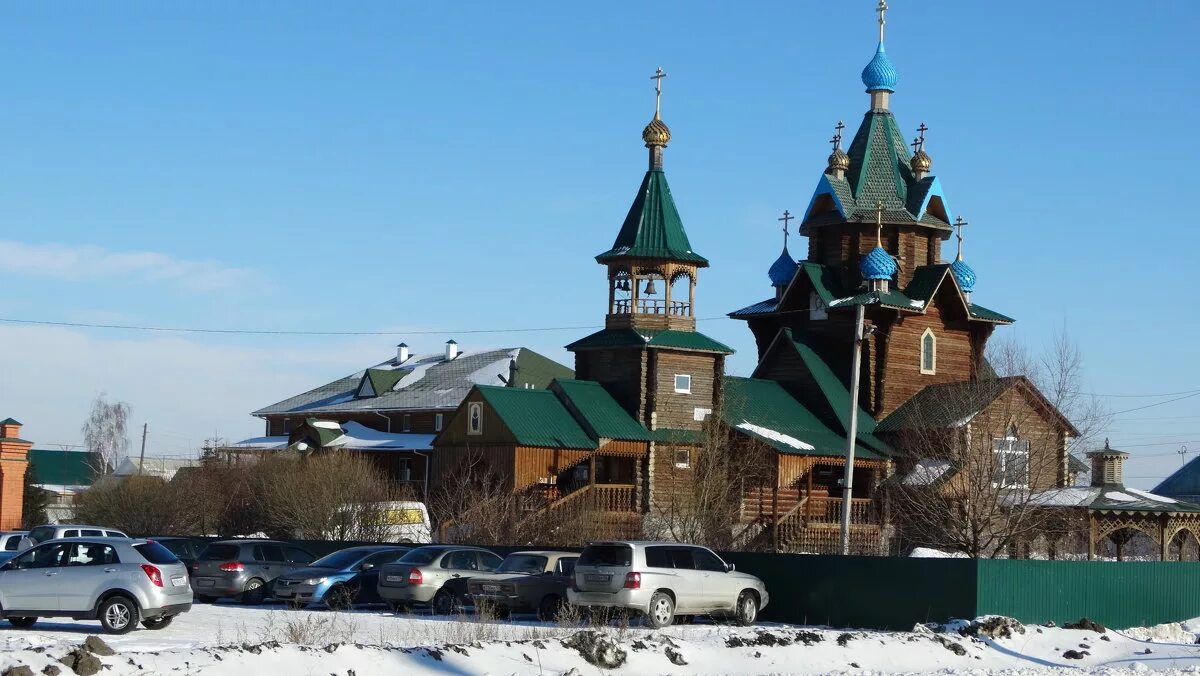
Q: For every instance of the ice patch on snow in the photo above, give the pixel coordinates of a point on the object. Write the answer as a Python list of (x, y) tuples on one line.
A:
[(771, 434)]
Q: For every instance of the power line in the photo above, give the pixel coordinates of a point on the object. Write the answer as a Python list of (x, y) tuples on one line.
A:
[(1134, 396)]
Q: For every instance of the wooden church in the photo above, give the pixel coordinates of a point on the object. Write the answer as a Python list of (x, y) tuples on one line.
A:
[(650, 392)]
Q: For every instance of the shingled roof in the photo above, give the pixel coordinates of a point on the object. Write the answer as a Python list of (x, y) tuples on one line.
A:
[(653, 228)]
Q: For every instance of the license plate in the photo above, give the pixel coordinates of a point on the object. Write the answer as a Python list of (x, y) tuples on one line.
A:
[(491, 587), (178, 580), (204, 583), (394, 578), (597, 578)]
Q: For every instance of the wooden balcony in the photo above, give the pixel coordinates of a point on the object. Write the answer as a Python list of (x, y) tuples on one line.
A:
[(653, 306)]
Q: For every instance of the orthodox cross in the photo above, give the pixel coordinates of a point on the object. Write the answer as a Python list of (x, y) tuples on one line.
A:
[(959, 223), (837, 136), (882, 9), (879, 218), (658, 78), (787, 216), (919, 142)]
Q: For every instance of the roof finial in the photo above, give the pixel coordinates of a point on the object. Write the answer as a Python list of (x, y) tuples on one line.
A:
[(921, 162), (658, 78), (882, 9), (787, 216), (918, 143), (839, 161), (837, 136), (879, 224), (1106, 446), (959, 224)]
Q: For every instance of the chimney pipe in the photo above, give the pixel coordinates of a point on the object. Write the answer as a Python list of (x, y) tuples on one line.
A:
[(401, 353), (451, 350)]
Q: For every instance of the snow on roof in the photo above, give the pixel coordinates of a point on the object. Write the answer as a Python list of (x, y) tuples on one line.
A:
[(355, 435), (263, 443), (775, 436), (928, 471), (1119, 496), (1078, 496), (62, 489), (326, 424), (1151, 496)]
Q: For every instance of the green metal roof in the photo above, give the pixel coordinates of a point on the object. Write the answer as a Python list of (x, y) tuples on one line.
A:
[(536, 417), (10, 421), (63, 468), (653, 228), (762, 409), (601, 414), (383, 380), (682, 340), (945, 405)]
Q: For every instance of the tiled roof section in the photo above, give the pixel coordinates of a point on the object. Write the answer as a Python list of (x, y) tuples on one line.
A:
[(1075, 465), (63, 468), (602, 416), (536, 418), (760, 308), (925, 282), (383, 380), (1121, 499), (428, 381), (946, 405), (983, 314), (653, 228), (681, 340), (763, 410)]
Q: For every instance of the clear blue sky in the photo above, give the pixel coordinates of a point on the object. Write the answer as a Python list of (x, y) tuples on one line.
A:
[(399, 166)]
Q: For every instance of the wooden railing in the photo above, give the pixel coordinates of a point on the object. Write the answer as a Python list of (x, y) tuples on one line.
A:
[(829, 510), (653, 306), (753, 529), (600, 497)]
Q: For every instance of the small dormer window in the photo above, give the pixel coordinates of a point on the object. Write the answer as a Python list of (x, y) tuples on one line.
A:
[(683, 384), (474, 418), (816, 307), (928, 352)]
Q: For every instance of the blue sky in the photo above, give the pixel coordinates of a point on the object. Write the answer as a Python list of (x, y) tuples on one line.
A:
[(396, 166)]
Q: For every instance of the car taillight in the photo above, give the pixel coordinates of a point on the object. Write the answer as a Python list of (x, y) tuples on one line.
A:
[(232, 567), (633, 580), (153, 573), (415, 577)]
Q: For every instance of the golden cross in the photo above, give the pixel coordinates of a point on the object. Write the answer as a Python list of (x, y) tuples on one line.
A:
[(919, 142), (882, 9), (879, 222), (959, 223), (837, 136), (658, 78), (787, 216)]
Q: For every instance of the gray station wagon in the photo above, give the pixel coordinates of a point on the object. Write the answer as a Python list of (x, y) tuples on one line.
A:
[(243, 568)]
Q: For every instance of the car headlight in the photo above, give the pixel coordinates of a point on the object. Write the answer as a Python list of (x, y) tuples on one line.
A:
[(315, 580)]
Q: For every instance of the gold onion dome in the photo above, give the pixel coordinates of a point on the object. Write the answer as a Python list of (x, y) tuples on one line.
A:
[(838, 161), (656, 133), (921, 161)]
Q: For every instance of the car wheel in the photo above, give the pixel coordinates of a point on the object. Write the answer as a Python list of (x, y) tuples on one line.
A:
[(662, 611), (549, 608), (252, 595), (747, 609), (158, 623), (118, 615), (398, 608), (444, 602), (22, 622), (339, 597)]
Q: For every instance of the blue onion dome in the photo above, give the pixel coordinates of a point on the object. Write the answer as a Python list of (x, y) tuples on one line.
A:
[(880, 74), (877, 265), (783, 269), (963, 274)]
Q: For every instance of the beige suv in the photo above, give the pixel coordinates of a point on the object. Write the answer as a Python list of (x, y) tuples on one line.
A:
[(663, 579)]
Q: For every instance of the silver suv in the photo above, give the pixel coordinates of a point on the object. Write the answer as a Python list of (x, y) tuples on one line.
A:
[(420, 576), (62, 530), (118, 581), (663, 579)]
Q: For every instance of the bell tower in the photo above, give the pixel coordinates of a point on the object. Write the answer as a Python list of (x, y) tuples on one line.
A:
[(649, 355)]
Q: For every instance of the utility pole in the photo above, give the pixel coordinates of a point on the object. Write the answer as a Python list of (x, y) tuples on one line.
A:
[(852, 433), (142, 455), (1182, 455)]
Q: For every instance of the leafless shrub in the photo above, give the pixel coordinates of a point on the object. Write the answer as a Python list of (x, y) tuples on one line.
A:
[(141, 505)]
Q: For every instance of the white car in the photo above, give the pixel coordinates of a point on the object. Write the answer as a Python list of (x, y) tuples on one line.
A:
[(66, 530), (663, 579)]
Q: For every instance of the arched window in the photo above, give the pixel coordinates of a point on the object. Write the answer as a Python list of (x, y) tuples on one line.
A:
[(928, 352)]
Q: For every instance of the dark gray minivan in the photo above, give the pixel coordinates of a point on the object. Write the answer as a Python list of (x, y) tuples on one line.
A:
[(243, 568)]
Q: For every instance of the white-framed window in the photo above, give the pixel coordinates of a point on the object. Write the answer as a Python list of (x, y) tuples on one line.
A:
[(404, 469), (816, 307), (701, 414), (437, 422), (683, 458), (406, 423), (928, 352), (1012, 460), (683, 384), (475, 418)]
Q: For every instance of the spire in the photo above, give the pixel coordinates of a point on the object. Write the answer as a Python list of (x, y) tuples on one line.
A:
[(657, 135), (880, 76), (784, 267), (920, 163), (963, 274)]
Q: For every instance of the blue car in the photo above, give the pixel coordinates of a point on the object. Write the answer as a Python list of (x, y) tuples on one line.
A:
[(339, 580)]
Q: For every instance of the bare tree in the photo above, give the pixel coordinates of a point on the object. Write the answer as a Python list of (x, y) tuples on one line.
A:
[(336, 495), (105, 434), (139, 505)]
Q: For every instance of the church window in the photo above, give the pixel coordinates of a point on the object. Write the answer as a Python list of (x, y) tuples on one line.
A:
[(475, 418), (683, 384), (1011, 455), (683, 458), (816, 307), (928, 352)]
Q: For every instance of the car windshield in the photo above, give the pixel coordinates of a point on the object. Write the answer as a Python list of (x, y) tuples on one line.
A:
[(219, 553), (340, 559), (421, 556), (523, 563), (606, 555)]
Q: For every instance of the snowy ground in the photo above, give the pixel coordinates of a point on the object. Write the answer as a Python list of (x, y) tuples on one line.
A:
[(229, 639)]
